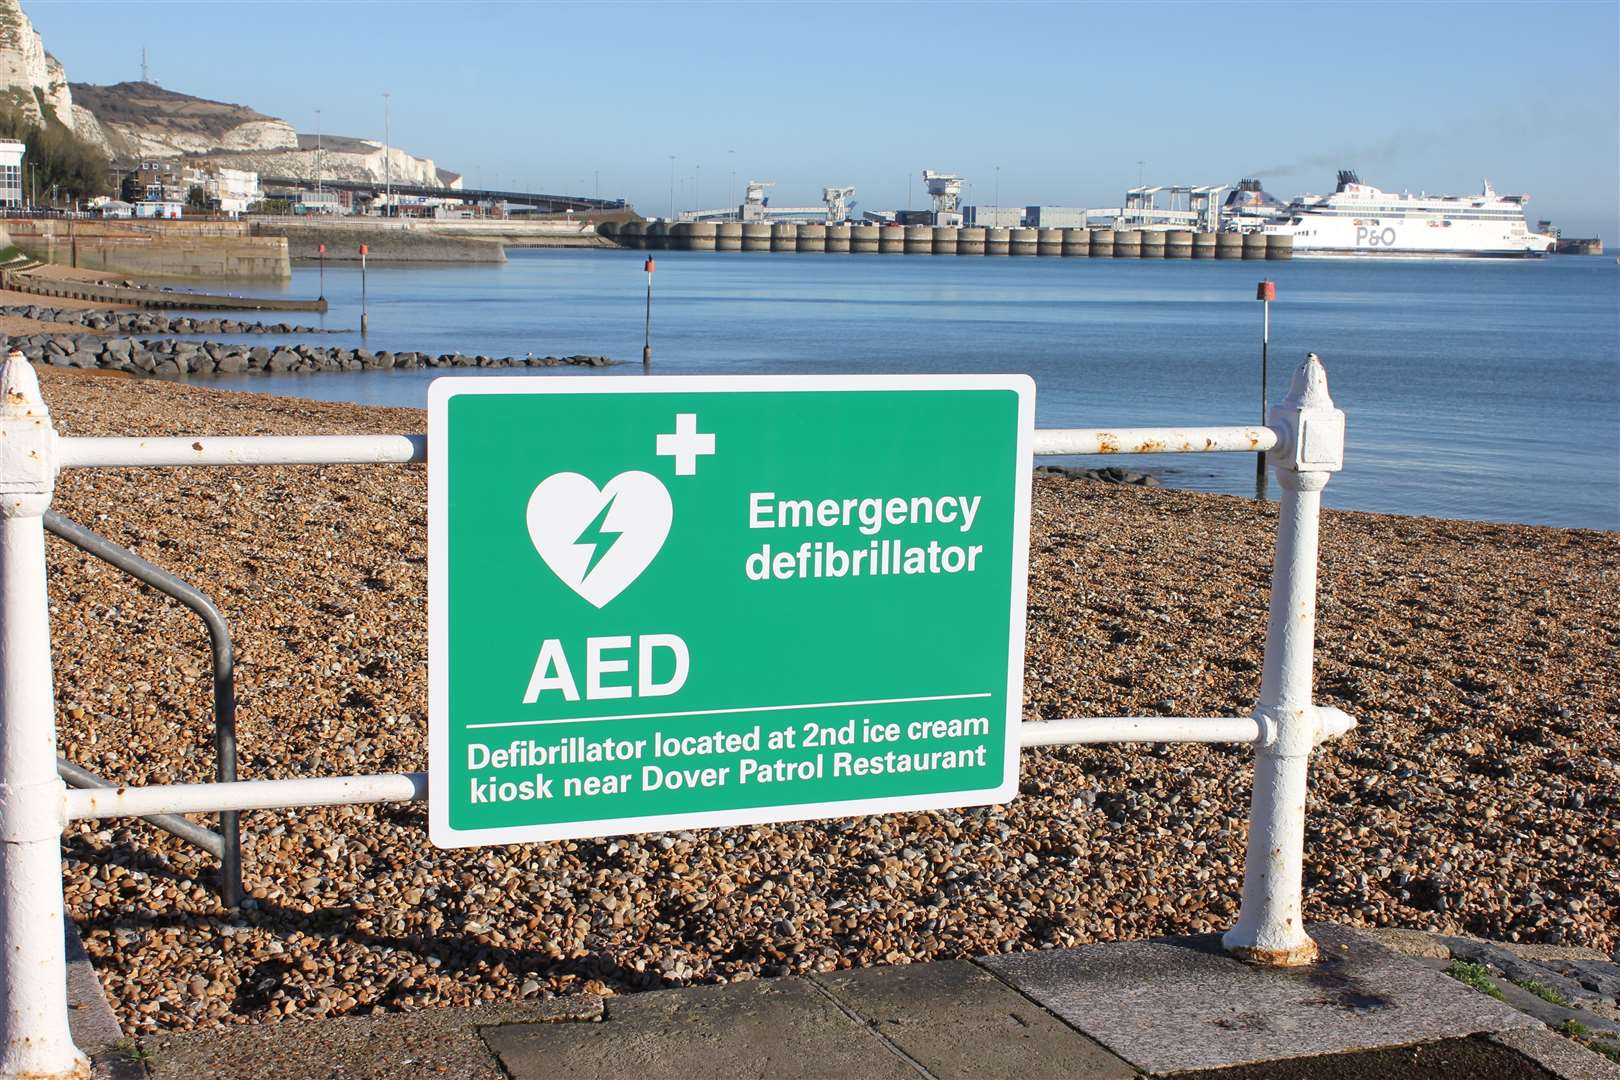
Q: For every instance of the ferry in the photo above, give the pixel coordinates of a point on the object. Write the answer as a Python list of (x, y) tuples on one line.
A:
[(1360, 220)]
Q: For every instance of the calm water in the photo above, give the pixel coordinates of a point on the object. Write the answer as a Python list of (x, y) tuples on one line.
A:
[(1484, 389)]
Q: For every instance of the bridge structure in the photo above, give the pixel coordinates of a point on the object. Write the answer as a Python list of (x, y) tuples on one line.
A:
[(556, 203)]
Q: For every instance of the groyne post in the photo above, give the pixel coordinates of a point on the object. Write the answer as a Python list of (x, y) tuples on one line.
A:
[(1266, 292), (646, 333), (34, 1036), (1310, 448)]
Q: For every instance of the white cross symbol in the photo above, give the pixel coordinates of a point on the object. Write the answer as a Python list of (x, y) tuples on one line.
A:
[(685, 444)]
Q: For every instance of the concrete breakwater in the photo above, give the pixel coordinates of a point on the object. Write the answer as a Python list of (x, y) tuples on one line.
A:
[(944, 240), (141, 322), (174, 359), (145, 297)]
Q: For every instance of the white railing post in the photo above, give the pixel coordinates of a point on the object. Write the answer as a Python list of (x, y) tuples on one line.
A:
[(34, 1038), (1309, 449)]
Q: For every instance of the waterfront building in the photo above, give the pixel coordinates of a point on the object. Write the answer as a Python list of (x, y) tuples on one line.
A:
[(993, 217), (233, 191), (318, 202), (11, 182), (1055, 217), (167, 209)]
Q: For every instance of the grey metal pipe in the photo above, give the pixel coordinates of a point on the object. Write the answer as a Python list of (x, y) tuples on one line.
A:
[(173, 824), (219, 641)]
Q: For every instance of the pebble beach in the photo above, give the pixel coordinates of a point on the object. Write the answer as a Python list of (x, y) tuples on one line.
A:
[(1480, 794)]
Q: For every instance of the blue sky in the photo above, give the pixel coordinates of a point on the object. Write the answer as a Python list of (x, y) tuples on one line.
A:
[(1065, 98)]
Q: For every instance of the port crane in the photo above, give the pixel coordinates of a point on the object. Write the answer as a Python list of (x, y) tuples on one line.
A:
[(838, 200), (946, 191), (836, 204)]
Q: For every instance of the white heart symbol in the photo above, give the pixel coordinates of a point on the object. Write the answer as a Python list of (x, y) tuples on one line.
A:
[(597, 541)]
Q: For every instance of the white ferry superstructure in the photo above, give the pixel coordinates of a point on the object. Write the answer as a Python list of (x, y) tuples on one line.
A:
[(1360, 220)]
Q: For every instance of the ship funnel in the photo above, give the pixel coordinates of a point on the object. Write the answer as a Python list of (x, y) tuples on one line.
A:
[(1347, 177)]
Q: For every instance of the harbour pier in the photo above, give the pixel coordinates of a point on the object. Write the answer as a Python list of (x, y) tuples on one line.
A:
[(868, 239)]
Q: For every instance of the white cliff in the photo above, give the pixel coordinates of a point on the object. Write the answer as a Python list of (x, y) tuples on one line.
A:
[(31, 80)]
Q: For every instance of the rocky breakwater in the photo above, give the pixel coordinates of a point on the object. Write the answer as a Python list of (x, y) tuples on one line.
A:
[(176, 359), (141, 322), (1107, 475)]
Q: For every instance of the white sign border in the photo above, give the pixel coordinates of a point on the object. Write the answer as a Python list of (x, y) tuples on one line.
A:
[(442, 389)]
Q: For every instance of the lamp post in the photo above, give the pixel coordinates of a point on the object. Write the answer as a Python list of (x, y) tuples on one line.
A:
[(318, 158), (671, 188), (388, 169)]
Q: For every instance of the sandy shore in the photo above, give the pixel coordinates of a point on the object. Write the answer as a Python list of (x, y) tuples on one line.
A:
[(1479, 795)]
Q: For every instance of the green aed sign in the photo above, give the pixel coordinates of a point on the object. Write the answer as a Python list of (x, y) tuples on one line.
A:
[(667, 603)]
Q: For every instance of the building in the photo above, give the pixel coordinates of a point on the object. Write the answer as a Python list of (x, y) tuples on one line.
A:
[(233, 191), (228, 191), (111, 208), (11, 163), (169, 210), (994, 217), (1055, 217), (318, 202)]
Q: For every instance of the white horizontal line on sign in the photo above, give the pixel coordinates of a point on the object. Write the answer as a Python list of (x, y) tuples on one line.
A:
[(718, 712)]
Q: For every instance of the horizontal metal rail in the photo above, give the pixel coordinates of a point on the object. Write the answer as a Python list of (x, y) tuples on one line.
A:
[(1139, 729), (1190, 440), (172, 824), (245, 795), (80, 452)]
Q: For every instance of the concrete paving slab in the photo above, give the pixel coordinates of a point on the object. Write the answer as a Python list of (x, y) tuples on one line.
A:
[(90, 1018), (784, 1029), (1178, 1004), (958, 1020), (396, 1046)]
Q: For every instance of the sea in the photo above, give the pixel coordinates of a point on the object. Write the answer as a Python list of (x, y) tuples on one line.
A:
[(1478, 389)]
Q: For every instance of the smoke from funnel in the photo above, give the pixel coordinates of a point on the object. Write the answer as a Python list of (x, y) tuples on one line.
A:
[(1378, 153)]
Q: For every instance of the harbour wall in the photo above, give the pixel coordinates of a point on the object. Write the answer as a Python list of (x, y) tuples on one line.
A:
[(170, 249), (864, 239), (383, 243)]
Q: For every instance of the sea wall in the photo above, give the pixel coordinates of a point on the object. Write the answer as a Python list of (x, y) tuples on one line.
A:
[(383, 243), (147, 251)]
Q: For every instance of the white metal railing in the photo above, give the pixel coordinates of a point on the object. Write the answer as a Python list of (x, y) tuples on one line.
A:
[(1304, 438)]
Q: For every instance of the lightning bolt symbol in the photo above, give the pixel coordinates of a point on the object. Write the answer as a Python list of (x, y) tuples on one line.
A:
[(599, 537)]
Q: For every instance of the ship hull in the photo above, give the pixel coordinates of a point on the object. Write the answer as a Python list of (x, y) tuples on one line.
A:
[(1353, 253)]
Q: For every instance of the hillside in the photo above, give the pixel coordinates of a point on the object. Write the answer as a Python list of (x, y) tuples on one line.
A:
[(134, 121), (142, 120)]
